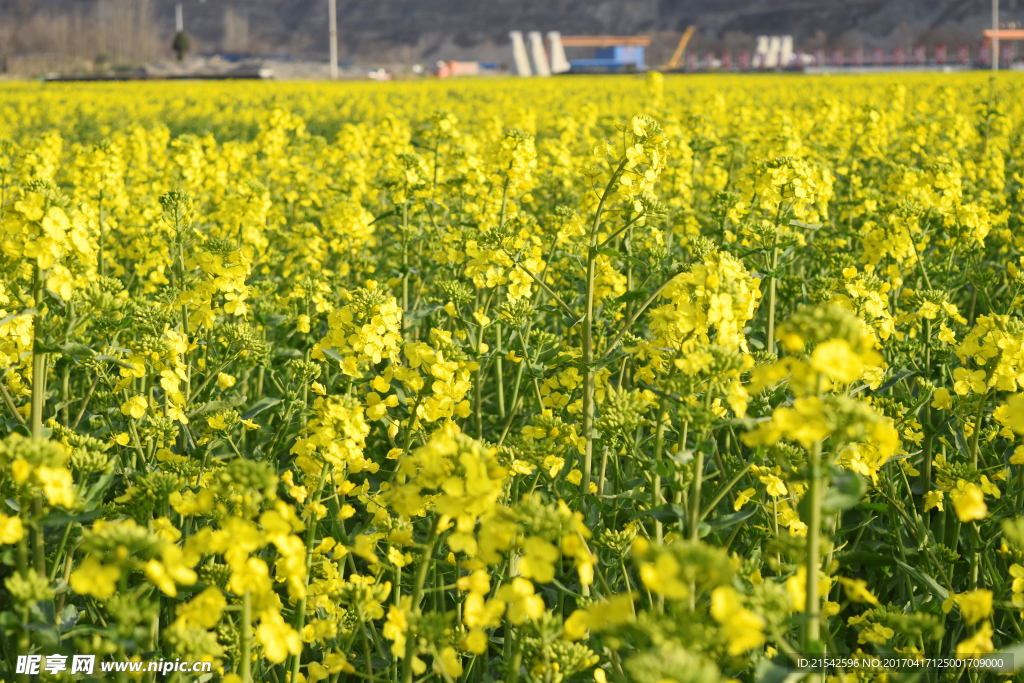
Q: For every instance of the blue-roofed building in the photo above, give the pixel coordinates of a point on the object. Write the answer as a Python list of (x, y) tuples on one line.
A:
[(615, 58), (612, 53)]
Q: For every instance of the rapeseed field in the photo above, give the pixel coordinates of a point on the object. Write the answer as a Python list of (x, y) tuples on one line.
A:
[(649, 379)]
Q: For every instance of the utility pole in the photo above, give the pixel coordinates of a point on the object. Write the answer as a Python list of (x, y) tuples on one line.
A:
[(332, 20), (179, 18), (995, 35)]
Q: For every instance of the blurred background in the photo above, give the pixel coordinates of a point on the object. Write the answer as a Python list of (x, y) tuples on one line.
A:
[(405, 38)]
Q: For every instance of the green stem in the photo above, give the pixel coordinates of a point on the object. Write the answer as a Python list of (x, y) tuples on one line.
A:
[(508, 423), (636, 314), (417, 596), (926, 422), (588, 336), (300, 608), (812, 608), (771, 293), (246, 638), (725, 489), (38, 404), (516, 663), (536, 383), (410, 430), (38, 358), (975, 438), (65, 394), (917, 257), (367, 652), (698, 482), (550, 292), (659, 443), (60, 549), (498, 370), (10, 404), (405, 267)]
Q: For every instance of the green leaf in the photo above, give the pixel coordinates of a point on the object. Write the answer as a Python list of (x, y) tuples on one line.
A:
[(805, 226), (68, 402), (726, 521), (670, 512), (549, 354), (863, 557), (925, 580), (84, 631), (901, 374), (633, 295), (682, 456), (598, 364), (118, 361), (708, 445), (424, 311), (609, 252), (333, 355), (69, 617), (384, 215), (75, 349), (97, 488), (216, 405), (961, 444), (633, 494), (536, 370), (49, 346), (768, 672), (559, 359), (846, 490), (62, 518), (260, 406)]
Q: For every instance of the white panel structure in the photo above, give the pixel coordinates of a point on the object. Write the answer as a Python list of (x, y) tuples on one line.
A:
[(774, 47), (519, 56), (332, 21), (559, 64), (761, 53), (540, 56), (786, 57), (236, 30)]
